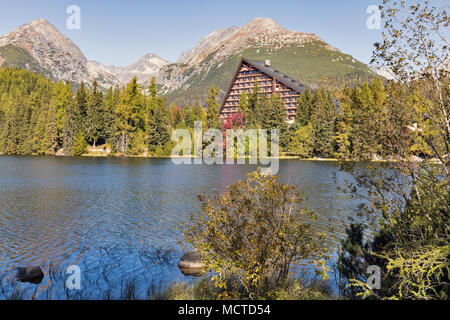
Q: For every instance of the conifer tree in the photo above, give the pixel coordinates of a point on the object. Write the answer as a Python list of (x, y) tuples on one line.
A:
[(63, 96), (255, 108), (302, 143), (158, 126), (95, 122), (130, 119), (188, 116), (304, 108), (109, 106), (212, 109), (74, 120), (274, 117), (178, 119), (51, 143), (323, 120), (243, 106), (197, 111)]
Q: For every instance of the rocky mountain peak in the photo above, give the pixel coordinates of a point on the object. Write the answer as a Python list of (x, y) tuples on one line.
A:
[(261, 25), (153, 58), (54, 52), (144, 69), (205, 44), (42, 30)]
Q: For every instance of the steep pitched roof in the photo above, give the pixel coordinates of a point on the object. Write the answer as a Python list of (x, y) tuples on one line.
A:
[(280, 76), (283, 78)]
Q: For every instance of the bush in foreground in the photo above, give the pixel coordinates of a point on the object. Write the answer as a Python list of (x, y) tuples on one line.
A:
[(251, 236)]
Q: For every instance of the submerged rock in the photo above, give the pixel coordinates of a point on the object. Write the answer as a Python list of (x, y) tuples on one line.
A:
[(191, 264), (30, 274)]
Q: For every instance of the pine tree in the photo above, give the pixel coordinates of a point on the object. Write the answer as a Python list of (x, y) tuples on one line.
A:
[(95, 122), (63, 96), (323, 121), (243, 106), (274, 117), (212, 109), (197, 112), (158, 132), (51, 143), (109, 106), (304, 108), (130, 119), (178, 119), (343, 125), (80, 144), (188, 116), (74, 120), (302, 143), (255, 108)]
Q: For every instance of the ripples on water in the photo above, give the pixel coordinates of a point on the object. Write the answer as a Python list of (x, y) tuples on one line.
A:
[(66, 211)]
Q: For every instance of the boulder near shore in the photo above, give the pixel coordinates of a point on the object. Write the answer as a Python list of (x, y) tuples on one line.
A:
[(191, 264), (32, 275)]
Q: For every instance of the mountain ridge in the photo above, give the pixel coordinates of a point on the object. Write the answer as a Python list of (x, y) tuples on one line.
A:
[(53, 52), (40, 47)]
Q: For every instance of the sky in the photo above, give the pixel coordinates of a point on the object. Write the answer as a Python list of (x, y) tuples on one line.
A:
[(120, 32)]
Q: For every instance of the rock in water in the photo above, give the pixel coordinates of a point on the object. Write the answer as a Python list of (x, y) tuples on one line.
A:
[(30, 274), (191, 264)]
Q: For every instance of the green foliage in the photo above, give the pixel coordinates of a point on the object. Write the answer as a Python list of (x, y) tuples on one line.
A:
[(129, 116), (311, 63), (407, 118), (274, 117), (80, 145), (254, 232), (38, 116), (95, 117), (254, 109), (323, 121), (305, 108), (212, 109), (302, 143), (158, 122)]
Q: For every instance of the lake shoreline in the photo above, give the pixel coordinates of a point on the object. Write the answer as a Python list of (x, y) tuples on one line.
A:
[(141, 156)]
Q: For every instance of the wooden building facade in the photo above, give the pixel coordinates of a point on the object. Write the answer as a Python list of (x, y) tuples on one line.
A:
[(270, 81)]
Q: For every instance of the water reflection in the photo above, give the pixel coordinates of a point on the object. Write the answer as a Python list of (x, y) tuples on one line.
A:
[(65, 210)]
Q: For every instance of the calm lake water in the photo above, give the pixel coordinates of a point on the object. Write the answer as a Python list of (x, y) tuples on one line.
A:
[(117, 216)]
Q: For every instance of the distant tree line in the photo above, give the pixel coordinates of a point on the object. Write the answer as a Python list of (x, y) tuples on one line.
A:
[(38, 116), (344, 123)]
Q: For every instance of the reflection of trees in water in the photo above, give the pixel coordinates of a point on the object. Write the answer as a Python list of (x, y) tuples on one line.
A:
[(112, 276)]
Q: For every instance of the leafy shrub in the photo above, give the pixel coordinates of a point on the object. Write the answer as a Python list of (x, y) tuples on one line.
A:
[(254, 232)]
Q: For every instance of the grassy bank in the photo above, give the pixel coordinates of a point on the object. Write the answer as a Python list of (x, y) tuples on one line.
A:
[(133, 289)]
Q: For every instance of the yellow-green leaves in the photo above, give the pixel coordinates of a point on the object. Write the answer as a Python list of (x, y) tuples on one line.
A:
[(253, 233)]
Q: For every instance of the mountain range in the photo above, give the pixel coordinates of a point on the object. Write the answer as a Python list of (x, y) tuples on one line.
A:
[(41, 47)]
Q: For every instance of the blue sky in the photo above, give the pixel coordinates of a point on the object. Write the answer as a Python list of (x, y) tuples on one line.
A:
[(119, 32)]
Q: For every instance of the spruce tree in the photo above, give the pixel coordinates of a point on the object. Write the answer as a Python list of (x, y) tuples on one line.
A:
[(274, 117), (188, 116), (212, 109), (95, 122), (323, 120), (255, 108), (197, 111), (304, 108), (158, 122), (130, 119)]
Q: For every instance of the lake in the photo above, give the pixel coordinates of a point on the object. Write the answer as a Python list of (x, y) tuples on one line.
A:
[(117, 216)]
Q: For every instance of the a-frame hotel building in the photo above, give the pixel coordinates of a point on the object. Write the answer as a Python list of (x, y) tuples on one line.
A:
[(270, 81)]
